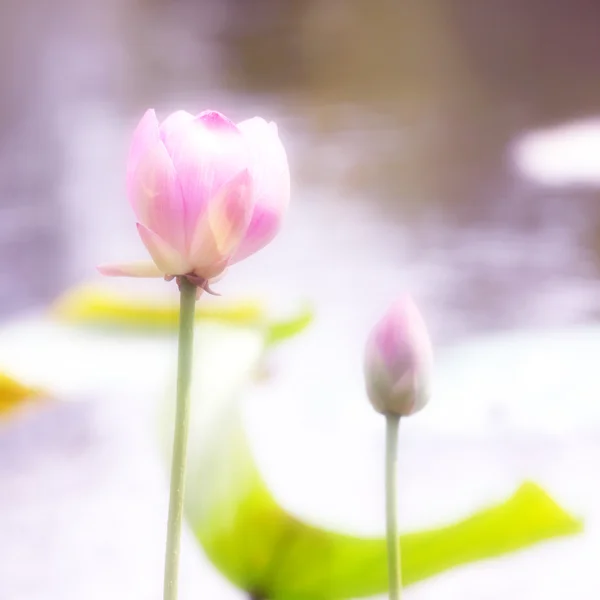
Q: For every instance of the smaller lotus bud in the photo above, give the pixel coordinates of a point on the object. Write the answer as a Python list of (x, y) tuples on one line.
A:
[(398, 360)]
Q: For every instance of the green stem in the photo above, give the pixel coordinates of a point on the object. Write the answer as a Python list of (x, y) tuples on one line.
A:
[(391, 469), (184, 376)]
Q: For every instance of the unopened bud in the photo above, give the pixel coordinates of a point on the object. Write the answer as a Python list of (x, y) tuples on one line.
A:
[(398, 360)]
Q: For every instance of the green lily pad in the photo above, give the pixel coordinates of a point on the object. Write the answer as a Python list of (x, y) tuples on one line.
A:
[(90, 305), (265, 550), (281, 330), (97, 307)]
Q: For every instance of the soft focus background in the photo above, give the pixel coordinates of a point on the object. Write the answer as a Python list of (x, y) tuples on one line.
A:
[(445, 147)]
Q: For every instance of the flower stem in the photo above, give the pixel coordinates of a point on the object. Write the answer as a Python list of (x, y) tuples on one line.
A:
[(184, 376), (391, 469)]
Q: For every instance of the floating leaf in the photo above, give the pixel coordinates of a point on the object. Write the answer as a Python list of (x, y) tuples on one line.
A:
[(263, 549), (92, 306), (315, 564), (279, 331), (89, 305)]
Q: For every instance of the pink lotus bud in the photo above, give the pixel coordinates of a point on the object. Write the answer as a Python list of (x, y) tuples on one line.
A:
[(206, 193), (398, 360)]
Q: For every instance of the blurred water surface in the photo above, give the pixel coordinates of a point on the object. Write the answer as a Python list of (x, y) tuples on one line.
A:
[(398, 118)]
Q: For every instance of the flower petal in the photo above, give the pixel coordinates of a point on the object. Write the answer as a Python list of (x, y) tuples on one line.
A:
[(271, 175), (401, 336), (155, 195), (145, 135), (207, 153), (174, 122), (264, 225), (398, 359), (168, 260), (133, 269), (216, 121), (222, 229)]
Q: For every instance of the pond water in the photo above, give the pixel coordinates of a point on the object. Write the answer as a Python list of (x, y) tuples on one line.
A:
[(399, 119)]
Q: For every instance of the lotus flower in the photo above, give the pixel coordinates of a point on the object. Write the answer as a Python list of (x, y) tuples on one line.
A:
[(398, 358), (206, 193)]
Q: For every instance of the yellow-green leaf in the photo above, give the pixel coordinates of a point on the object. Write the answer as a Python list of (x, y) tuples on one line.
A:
[(14, 395), (263, 549), (278, 331), (97, 307), (88, 305)]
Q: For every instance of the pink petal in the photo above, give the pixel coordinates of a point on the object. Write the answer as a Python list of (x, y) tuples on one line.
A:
[(401, 336), (222, 229), (398, 360), (215, 121), (155, 195), (207, 153), (271, 175), (174, 122), (264, 225), (145, 134), (168, 260), (132, 269)]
